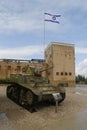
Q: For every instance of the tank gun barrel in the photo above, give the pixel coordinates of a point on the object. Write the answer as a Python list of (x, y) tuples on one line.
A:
[(46, 69)]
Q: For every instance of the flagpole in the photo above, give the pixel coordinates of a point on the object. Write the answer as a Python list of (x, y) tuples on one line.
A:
[(44, 37)]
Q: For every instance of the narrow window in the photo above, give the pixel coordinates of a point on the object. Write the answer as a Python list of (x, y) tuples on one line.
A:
[(9, 67), (70, 73), (0, 67), (18, 68), (57, 73), (61, 73), (65, 73)]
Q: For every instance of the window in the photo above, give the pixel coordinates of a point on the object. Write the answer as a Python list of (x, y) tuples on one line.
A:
[(65, 73), (61, 73), (70, 73), (0, 67), (9, 67), (57, 73), (18, 68), (65, 55)]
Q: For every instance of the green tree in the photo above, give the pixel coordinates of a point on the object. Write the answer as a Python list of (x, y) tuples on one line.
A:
[(81, 79)]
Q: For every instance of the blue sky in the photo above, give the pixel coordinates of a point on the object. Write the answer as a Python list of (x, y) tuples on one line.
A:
[(22, 28)]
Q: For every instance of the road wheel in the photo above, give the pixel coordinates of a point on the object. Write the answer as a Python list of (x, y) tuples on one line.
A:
[(13, 92), (29, 98)]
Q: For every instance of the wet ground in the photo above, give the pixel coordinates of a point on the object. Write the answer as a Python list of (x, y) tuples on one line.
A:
[(71, 115), (76, 121)]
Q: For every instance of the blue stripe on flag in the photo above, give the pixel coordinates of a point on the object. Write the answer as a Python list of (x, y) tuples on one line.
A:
[(52, 21), (52, 15), (48, 14)]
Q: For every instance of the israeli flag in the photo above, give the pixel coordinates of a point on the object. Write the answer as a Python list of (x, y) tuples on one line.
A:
[(51, 18)]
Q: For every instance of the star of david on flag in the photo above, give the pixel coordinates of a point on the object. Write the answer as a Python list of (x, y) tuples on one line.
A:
[(51, 18)]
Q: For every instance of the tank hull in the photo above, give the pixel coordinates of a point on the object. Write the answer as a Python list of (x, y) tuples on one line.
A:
[(27, 98)]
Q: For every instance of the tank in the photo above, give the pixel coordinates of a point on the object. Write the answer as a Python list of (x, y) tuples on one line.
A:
[(30, 87)]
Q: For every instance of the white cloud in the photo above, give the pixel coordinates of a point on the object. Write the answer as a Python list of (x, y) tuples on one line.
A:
[(18, 15), (64, 5), (18, 23), (81, 68), (81, 50), (81, 43), (21, 52), (25, 15)]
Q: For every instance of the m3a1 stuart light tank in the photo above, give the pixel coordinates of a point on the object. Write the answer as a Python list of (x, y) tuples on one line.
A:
[(31, 88)]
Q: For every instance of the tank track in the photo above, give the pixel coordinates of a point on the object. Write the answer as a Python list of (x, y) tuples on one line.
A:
[(13, 93)]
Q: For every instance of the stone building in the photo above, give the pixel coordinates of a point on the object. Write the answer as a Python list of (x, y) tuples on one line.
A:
[(12, 66), (59, 63), (61, 57)]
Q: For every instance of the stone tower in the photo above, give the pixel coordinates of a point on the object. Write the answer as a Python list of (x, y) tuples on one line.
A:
[(61, 57)]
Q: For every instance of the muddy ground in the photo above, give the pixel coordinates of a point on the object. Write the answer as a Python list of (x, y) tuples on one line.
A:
[(14, 117)]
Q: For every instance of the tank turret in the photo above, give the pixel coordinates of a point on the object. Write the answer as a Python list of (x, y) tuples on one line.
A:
[(36, 71)]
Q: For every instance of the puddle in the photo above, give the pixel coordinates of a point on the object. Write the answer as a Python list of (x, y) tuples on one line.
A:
[(81, 89), (78, 93), (77, 121), (84, 87), (4, 125), (3, 117)]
